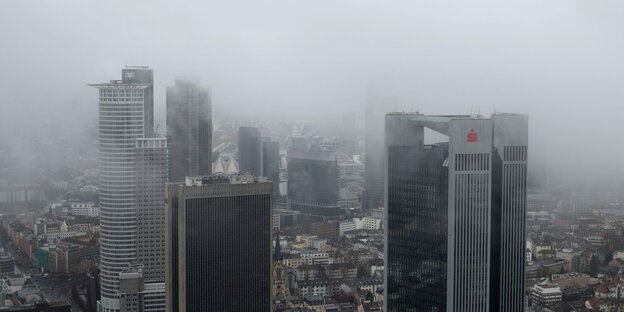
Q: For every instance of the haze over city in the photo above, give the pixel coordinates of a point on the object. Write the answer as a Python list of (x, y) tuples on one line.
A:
[(309, 75), (558, 61)]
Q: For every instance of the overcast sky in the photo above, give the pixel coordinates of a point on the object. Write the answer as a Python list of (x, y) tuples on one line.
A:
[(560, 61)]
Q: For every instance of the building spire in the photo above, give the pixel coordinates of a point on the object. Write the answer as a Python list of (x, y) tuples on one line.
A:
[(277, 255)]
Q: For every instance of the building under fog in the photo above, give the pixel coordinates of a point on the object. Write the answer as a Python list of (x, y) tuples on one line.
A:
[(250, 150), (313, 179), (189, 129), (455, 213)]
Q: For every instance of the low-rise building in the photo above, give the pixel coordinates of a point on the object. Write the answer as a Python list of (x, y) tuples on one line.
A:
[(572, 280), (545, 294)]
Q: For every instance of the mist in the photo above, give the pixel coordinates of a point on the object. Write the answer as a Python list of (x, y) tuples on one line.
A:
[(558, 61)]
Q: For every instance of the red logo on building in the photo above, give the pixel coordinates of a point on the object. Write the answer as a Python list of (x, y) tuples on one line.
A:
[(472, 136)]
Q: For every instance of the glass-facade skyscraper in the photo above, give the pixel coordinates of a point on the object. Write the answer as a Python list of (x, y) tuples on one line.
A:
[(250, 150), (218, 244), (455, 213), (189, 129)]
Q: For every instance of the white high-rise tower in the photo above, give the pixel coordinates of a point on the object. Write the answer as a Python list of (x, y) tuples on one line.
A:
[(126, 113)]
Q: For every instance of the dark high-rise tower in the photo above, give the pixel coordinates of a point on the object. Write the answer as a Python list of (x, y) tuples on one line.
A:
[(455, 213), (189, 129), (126, 113), (151, 172), (270, 164), (218, 237), (250, 150)]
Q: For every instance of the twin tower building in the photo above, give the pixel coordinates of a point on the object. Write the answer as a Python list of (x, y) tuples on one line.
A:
[(455, 225), (455, 235)]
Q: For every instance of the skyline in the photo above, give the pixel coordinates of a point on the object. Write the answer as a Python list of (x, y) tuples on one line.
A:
[(558, 64)]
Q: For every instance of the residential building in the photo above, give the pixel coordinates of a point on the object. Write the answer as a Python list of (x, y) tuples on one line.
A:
[(207, 249), (189, 129), (87, 209)]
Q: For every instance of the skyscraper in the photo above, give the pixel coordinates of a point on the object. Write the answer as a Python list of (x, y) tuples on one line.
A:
[(377, 102), (218, 244), (151, 171), (271, 164), (455, 213), (189, 129), (126, 113), (250, 150)]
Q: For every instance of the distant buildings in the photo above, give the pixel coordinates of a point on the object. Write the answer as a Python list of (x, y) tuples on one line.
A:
[(448, 206), (189, 129), (313, 179), (7, 264), (250, 150), (87, 209), (259, 156), (271, 165), (218, 237)]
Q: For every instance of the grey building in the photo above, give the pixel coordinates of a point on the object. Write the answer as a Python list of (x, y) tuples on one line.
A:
[(189, 129), (250, 150), (151, 171), (7, 264), (126, 113), (136, 295), (455, 213), (218, 244), (313, 180), (271, 164), (377, 102)]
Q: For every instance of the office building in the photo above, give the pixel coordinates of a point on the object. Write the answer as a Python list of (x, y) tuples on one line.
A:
[(378, 100), (138, 296), (250, 150), (271, 164), (126, 113), (7, 264), (313, 180), (218, 244), (189, 129), (448, 206), (151, 177), (259, 156)]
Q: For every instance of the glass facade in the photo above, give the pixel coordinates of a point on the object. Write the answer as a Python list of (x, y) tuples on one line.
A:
[(189, 130), (417, 180), (219, 237)]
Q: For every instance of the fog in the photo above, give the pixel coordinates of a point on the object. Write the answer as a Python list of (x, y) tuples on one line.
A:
[(559, 61)]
